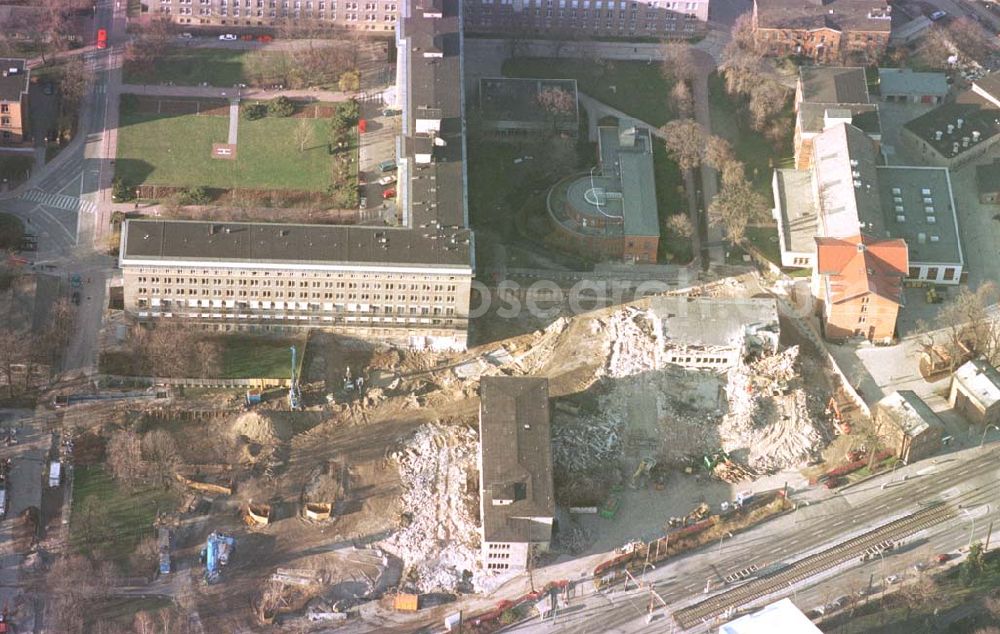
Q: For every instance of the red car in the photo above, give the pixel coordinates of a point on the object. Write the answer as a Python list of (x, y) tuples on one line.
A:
[(389, 193), (102, 38)]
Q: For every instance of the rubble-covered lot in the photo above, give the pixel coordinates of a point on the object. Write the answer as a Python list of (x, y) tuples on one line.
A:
[(397, 464)]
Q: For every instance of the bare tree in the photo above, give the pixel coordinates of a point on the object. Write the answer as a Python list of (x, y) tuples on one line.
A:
[(767, 98), (165, 348), (682, 100), (680, 224), (159, 451), (971, 39), (124, 458), (73, 81), (742, 33), (556, 101), (718, 152), (144, 623), (303, 134), (966, 319), (75, 584), (678, 61), (685, 140), (737, 205), (14, 350)]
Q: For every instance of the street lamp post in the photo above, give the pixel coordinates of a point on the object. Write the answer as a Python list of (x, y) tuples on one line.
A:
[(972, 529), (986, 429), (723, 537)]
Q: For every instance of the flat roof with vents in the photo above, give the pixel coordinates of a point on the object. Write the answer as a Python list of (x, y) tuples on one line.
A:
[(918, 206)]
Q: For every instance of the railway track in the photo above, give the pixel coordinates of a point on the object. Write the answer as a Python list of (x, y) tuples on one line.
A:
[(809, 566)]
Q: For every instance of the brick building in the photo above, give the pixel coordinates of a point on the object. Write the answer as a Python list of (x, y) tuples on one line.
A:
[(368, 15), (609, 18), (407, 284), (827, 31), (975, 392), (611, 211), (825, 96), (907, 426), (14, 84), (860, 283)]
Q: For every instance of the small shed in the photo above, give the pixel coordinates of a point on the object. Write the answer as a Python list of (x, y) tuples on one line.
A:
[(903, 85), (975, 392), (907, 426)]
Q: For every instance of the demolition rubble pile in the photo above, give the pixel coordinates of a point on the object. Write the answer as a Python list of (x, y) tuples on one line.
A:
[(758, 412), (769, 422), (438, 540)]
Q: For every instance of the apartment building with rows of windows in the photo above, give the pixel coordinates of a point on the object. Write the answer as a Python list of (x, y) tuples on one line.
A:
[(367, 16), (609, 18), (408, 285)]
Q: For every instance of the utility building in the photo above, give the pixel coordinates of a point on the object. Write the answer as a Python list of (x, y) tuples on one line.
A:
[(907, 426), (975, 392), (14, 101), (516, 500)]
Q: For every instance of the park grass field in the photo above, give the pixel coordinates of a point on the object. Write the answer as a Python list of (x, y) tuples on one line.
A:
[(175, 150), (192, 67)]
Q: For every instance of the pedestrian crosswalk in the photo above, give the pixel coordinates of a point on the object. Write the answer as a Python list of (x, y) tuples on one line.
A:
[(59, 201)]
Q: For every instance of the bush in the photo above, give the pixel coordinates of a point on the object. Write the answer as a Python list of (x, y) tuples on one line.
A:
[(254, 111), (121, 192), (197, 195), (346, 114), (280, 107), (349, 81)]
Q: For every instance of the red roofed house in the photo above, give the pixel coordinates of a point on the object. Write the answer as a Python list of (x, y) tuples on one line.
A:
[(860, 282)]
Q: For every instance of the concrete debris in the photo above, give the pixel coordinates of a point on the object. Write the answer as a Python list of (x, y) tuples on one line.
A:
[(576, 448), (440, 542), (637, 342)]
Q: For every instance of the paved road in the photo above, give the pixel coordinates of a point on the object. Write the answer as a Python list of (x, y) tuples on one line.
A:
[(965, 478)]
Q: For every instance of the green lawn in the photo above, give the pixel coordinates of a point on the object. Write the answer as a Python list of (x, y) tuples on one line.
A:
[(176, 151), (258, 357), (670, 199), (754, 150), (118, 519), (766, 241), (191, 67), (636, 88)]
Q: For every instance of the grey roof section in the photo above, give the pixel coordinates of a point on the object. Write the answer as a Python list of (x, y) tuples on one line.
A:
[(13, 84), (812, 116), (184, 240), (632, 166), (904, 81), (515, 441), (922, 193), (839, 15), (981, 380), (711, 321), (977, 114), (799, 216), (829, 84), (910, 414), (845, 161)]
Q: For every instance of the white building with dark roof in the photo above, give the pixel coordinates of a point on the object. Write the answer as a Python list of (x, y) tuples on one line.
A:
[(408, 285), (516, 499)]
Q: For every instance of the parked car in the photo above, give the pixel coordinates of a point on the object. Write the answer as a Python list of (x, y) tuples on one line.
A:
[(389, 193), (388, 165), (364, 202), (942, 558), (76, 281), (387, 180), (75, 298), (891, 579), (49, 88), (185, 36), (937, 15), (228, 37)]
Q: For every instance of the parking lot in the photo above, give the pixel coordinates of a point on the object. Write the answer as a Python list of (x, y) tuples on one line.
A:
[(377, 145)]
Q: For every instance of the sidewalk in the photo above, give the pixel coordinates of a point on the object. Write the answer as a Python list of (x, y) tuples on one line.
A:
[(216, 92)]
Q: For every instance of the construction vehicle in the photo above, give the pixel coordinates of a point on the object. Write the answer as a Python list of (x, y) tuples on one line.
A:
[(836, 412), (294, 396), (645, 465), (216, 555), (164, 549), (610, 508)]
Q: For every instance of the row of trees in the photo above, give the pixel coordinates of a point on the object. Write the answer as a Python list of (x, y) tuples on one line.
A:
[(318, 64), (28, 348), (136, 460)]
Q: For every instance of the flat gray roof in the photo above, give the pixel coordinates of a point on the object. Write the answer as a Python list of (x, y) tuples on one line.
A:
[(12, 85), (198, 241), (922, 194), (905, 81), (633, 168), (909, 412), (712, 321), (515, 441), (799, 216), (981, 380), (831, 84)]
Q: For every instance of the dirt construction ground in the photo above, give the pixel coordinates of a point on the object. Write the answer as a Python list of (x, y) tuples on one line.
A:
[(397, 461)]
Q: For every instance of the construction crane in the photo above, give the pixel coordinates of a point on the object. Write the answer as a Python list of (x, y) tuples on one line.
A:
[(294, 396)]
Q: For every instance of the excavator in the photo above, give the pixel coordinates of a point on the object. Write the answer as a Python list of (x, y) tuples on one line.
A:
[(645, 465)]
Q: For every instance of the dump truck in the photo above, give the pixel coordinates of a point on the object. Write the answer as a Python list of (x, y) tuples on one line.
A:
[(216, 555)]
